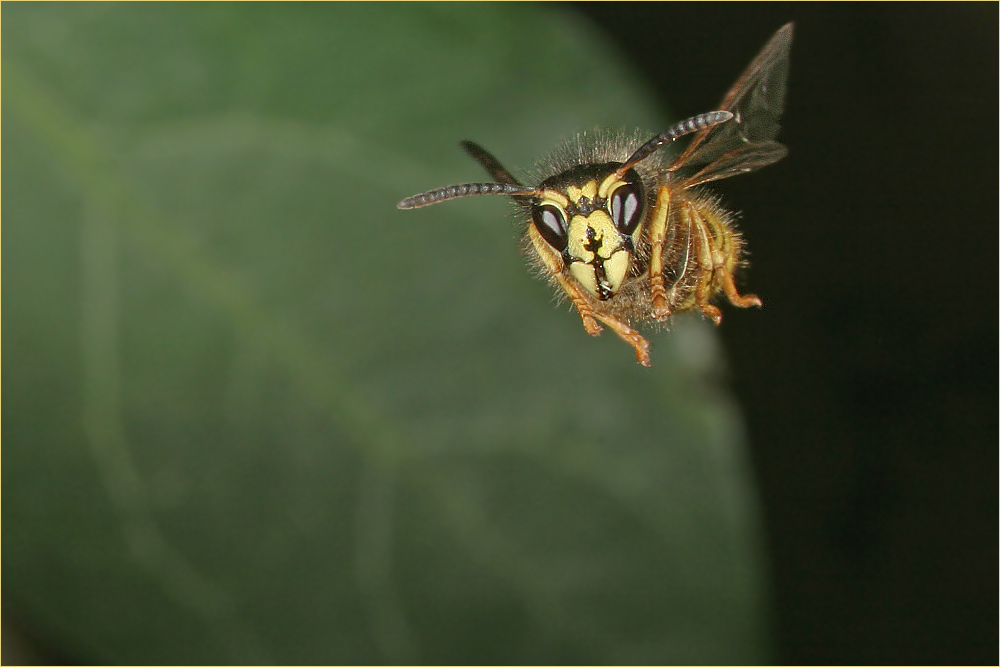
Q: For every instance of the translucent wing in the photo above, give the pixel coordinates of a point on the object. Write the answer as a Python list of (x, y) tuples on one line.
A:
[(746, 142), (493, 167), (489, 163)]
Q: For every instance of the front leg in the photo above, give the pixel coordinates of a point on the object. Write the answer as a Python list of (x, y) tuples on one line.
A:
[(630, 336), (554, 264), (582, 302), (588, 315)]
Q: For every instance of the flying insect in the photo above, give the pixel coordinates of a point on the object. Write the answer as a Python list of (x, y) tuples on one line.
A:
[(630, 237)]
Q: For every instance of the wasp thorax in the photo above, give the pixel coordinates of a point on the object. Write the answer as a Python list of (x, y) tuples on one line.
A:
[(592, 220)]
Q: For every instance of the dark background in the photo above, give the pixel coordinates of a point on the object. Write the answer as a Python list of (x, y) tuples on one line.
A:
[(869, 379)]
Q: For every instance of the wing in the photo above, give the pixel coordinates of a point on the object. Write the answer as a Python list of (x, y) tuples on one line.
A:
[(489, 163), (493, 167), (746, 142)]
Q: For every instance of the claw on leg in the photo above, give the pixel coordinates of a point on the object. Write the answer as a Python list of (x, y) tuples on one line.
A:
[(661, 305), (630, 336), (590, 325), (735, 298), (711, 312)]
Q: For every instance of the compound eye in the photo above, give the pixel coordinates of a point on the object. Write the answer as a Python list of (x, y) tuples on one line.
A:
[(550, 222), (626, 208)]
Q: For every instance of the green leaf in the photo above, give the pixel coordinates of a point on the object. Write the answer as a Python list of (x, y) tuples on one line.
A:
[(256, 414)]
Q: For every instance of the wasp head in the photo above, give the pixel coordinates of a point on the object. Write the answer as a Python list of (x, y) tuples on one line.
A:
[(591, 215)]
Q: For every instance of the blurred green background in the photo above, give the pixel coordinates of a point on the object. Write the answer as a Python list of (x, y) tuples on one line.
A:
[(256, 414)]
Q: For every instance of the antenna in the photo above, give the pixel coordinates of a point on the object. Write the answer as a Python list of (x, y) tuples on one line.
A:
[(693, 124), (465, 190)]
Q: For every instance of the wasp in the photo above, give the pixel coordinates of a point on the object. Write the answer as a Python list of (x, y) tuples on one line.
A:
[(630, 237)]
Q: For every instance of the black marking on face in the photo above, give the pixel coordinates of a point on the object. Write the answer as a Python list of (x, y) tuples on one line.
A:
[(594, 244)]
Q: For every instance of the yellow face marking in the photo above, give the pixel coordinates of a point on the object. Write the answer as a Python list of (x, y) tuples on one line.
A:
[(615, 269), (608, 185), (555, 197), (580, 240), (589, 190), (584, 274), (596, 244)]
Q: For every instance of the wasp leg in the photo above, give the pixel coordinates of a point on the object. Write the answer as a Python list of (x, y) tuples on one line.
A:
[(657, 239), (554, 264), (722, 260), (582, 302), (630, 336), (587, 313), (703, 248), (725, 260), (735, 298)]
